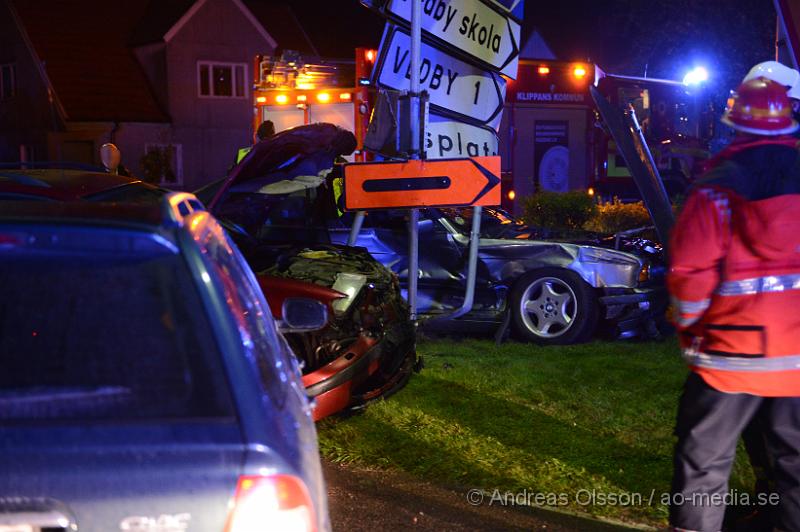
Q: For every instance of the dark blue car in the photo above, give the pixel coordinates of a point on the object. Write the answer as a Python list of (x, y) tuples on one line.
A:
[(143, 384)]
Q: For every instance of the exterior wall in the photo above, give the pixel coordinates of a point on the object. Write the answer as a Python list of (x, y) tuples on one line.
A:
[(26, 118), (211, 129), (81, 141), (153, 59)]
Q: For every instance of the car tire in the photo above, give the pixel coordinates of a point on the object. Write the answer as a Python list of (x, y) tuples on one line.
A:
[(552, 306)]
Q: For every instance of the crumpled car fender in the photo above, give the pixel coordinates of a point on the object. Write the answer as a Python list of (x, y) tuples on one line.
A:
[(599, 267)]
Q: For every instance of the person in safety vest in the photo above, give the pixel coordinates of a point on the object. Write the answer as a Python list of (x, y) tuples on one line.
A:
[(734, 278)]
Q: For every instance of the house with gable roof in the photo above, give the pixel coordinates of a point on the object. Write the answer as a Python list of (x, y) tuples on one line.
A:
[(170, 79)]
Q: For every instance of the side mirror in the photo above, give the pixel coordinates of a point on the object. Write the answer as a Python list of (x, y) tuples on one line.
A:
[(110, 156), (302, 314)]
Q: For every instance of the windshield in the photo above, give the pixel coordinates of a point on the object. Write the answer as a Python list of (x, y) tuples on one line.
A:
[(495, 223), (112, 328), (267, 218)]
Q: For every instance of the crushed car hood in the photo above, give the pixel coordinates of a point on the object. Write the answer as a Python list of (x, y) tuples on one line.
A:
[(300, 151)]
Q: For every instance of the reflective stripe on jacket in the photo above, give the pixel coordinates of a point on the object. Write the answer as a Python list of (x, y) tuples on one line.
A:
[(735, 280)]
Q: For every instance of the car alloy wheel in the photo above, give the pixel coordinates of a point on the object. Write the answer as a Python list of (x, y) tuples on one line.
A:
[(548, 307), (553, 306)]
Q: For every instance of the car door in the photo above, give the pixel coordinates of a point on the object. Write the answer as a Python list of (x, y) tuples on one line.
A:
[(442, 257)]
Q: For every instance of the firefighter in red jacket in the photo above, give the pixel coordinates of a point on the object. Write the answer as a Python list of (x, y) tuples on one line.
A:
[(734, 279)]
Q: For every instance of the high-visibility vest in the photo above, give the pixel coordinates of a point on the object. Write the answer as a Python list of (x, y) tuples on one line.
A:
[(338, 189), (735, 281), (242, 153)]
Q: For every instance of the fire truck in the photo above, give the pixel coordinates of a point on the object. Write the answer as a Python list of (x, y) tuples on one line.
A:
[(291, 90), (552, 138)]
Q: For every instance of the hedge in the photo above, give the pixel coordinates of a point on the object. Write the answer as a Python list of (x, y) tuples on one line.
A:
[(576, 212)]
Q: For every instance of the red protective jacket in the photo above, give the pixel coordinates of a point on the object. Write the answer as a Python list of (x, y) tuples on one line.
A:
[(735, 270)]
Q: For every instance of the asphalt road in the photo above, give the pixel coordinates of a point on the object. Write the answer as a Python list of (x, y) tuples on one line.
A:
[(362, 499)]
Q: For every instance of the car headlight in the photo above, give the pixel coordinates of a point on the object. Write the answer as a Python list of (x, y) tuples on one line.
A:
[(350, 285)]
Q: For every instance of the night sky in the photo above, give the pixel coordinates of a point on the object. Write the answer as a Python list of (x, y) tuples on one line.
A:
[(608, 32), (660, 38)]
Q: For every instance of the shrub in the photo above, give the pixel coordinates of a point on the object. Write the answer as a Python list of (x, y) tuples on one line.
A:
[(559, 211), (616, 216)]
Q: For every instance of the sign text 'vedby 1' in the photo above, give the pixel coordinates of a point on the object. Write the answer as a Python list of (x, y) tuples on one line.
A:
[(471, 93)]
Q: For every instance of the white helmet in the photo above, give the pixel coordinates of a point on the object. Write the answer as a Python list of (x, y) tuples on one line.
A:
[(788, 77)]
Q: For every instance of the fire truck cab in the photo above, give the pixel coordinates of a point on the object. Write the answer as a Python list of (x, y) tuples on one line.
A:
[(291, 91)]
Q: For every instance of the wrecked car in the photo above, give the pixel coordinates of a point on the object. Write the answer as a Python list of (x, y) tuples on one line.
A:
[(550, 291), (274, 204)]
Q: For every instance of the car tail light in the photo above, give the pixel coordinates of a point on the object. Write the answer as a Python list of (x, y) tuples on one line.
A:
[(275, 502), (10, 240)]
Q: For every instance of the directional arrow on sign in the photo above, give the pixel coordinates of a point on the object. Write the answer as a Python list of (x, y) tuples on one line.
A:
[(470, 26), (446, 138), (418, 183), (515, 7), (470, 93)]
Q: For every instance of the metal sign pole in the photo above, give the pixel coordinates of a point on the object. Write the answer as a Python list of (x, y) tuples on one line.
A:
[(413, 221), (355, 228)]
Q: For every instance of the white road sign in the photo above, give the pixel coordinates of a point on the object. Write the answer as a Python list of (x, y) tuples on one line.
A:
[(474, 94), (515, 7), (446, 138), (470, 26)]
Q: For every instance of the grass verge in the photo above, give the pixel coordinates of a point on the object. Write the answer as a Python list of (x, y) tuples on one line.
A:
[(584, 428)]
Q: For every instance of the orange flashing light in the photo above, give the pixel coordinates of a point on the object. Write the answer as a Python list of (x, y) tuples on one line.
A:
[(543, 70), (261, 99), (579, 72), (370, 55), (302, 97), (512, 195), (345, 96), (323, 97), (282, 98)]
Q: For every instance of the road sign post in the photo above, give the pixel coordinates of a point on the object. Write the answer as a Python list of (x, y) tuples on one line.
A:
[(470, 44), (413, 223)]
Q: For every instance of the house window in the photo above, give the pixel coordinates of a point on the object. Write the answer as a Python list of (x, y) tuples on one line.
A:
[(163, 164), (8, 81), (221, 80)]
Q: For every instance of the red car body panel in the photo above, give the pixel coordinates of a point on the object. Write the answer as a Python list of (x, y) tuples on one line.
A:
[(331, 385), (277, 289), (338, 397)]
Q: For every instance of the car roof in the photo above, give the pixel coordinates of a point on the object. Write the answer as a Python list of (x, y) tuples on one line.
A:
[(60, 184), (134, 214)]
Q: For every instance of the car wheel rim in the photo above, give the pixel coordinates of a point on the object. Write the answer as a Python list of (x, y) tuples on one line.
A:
[(548, 307)]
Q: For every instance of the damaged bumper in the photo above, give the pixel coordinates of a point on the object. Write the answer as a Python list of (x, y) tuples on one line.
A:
[(368, 369), (634, 312)]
